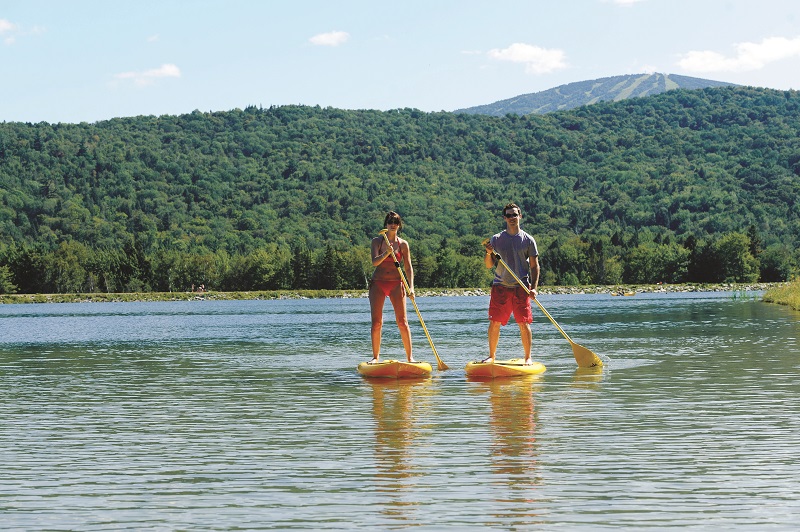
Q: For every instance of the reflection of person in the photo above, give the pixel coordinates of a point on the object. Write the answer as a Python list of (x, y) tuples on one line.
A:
[(515, 449), (386, 282), (399, 408), (394, 413), (518, 250)]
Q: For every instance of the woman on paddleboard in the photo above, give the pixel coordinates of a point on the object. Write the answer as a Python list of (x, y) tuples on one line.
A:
[(386, 282), (518, 250)]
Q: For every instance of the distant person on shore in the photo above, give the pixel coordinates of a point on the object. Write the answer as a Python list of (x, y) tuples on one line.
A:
[(518, 250), (386, 282)]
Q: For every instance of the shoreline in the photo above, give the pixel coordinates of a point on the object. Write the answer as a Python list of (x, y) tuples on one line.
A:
[(611, 290)]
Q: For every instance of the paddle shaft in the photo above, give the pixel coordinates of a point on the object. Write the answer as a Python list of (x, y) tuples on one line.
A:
[(440, 365)]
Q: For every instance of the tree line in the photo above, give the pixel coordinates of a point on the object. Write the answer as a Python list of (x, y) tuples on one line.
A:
[(77, 268), (648, 189)]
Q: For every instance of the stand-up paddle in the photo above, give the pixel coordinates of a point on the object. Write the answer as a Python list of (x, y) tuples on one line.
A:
[(584, 357), (441, 366)]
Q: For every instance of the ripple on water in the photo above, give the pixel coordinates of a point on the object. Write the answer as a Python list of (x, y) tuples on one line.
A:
[(252, 415)]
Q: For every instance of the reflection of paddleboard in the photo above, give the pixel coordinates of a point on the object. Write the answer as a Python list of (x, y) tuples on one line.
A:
[(395, 369), (503, 368)]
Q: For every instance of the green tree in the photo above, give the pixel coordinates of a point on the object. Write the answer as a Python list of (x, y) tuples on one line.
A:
[(301, 266), (330, 268), (613, 271), (7, 285), (736, 263), (446, 274), (777, 264), (356, 267), (65, 268), (568, 258), (651, 262), (641, 263)]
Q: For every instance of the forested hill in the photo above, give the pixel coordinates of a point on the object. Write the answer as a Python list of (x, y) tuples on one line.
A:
[(578, 94), (291, 196)]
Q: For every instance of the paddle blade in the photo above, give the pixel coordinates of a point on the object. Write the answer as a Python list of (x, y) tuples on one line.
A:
[(584, 357), (441, 366)]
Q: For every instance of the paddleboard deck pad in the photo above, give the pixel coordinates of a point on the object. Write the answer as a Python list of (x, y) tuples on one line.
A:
[(395, 369), (503, 368)]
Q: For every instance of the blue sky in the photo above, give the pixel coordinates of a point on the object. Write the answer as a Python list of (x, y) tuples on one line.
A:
[(89, 60)]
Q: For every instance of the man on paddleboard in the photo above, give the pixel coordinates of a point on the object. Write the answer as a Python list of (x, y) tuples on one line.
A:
[(518, 250)]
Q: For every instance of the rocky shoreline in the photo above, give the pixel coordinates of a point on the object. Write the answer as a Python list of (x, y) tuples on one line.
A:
[(618, 290), (613, 290)]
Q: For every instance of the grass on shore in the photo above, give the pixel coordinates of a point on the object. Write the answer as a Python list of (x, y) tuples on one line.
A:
[(785, 294)]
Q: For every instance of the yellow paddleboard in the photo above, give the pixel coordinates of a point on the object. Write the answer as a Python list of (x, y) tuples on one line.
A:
[(395, 369), (503, 368)]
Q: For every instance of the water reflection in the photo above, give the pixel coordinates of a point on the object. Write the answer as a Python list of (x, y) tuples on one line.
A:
[(251, 415), (398, 407), (588, 378), (514, 448)]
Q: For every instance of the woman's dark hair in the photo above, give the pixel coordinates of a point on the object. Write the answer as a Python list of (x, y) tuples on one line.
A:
[(393, 216)]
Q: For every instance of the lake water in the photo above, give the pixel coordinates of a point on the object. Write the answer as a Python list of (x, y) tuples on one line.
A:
[(242, 415)]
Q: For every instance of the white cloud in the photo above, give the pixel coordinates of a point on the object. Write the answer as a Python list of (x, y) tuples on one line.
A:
[(148, 77), (333, 38), (537, 60), (8, 30), (749, 56), (153, 38)]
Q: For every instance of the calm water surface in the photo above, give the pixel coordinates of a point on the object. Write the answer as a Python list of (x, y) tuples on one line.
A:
[(250, 415)]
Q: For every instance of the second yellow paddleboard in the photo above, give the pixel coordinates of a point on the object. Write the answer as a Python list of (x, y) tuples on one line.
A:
[(503, 368)]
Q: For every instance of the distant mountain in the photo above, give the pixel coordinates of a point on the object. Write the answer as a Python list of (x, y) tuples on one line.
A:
[(581, 93)]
